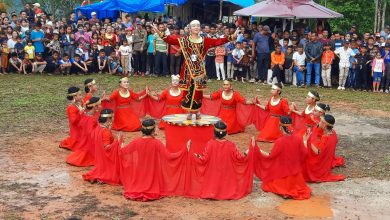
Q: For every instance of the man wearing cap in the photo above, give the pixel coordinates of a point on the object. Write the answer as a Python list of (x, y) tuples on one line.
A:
[(93, 20), (261, 44), (386, 58), (139, 42), (344, 53), (313, 51), (37, 9)]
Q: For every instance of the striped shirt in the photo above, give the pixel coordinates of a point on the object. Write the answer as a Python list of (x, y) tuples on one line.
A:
[(161, 46)]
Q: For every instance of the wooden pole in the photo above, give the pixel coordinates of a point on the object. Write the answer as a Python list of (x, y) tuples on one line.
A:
[(220, 9)]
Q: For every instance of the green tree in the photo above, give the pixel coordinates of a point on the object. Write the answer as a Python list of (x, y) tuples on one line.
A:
[(360, 13)]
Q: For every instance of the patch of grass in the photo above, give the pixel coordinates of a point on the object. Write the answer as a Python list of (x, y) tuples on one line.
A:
[(37, 103)]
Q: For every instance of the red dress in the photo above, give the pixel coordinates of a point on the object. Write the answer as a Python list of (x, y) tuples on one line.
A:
[(318, 167), (193, 67), (172, 105), (84, 155), (228, 112), (74, 114), (221, 173), (107, 166), (125, 118), (281, 171), (271, 131), (148, 171), (309, 121)]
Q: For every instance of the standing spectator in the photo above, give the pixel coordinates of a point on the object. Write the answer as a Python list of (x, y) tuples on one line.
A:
[(29, 49), (67, 42), (219, 62), (82, 38), (54, 44), (29, 12), (139, 44), (210, 55), (160, 53), (326, 62), (386, 57), (19, 48), (299, 58), (12, 41), (238, 54), (313, 51), (174, 54), (364, 68), (125, 51), (127, 23), (378, 69), (150, 51), (37, 9), (229, 60), (37, 37), (305, 39), (261, 44), (288, 65), (4, 57), (277, 64), (109, 40), (344, 53)]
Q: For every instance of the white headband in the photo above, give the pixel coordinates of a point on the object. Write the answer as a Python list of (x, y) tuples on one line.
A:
[(194, 22), (175, 77), (276, 87)]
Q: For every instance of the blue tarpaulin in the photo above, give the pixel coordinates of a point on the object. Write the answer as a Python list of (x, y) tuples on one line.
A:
[(242, 3), (111, 8)]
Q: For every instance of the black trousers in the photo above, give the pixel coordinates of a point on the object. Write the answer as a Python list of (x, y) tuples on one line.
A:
[(174, 64), (263, 61), (161, 63), (140, 61), (278, 73), (210, 67)]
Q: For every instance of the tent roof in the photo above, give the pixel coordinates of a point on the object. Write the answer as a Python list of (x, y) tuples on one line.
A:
[(288, 9), (125, 6)]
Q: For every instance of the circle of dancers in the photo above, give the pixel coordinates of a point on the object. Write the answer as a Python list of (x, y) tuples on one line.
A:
[(303, 151)]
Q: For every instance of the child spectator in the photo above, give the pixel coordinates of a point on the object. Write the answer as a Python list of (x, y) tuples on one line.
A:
[(4, 57), (27, 64), (378, 68), (219, 62), (114, 64), (65, 64), (353, 67), (78, 66), (386, 57), (245, 62), (19, 48), (53, 65), (299, 58), (102, 61), (285, 45), (238, 54), (363, 69), (30, 50), (15, 64), (39, 64), (125, 51), (229, 69), (37, 37), (277, 64), (150, 51), (326, 62), (288, 65)]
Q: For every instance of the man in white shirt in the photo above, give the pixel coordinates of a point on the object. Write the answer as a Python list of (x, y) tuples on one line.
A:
[(344, 53), (299, 58)]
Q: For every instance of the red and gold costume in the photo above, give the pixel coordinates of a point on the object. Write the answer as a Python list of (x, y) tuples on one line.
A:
[(318, 167), (109, 40), (281, 171), (193, 73), (172, 104), (74, 112), (125, 118), (228, 112), (107, 165), (271, 131)]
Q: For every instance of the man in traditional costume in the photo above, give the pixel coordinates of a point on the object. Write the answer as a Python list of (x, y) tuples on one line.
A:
[(193, 73)]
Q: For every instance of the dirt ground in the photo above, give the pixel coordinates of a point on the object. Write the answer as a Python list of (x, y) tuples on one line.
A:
[(36, 183)]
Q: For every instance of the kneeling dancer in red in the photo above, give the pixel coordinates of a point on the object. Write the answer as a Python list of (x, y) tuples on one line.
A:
[(106, 169), (321, 147), (148, 171), (74, 112), (84, 155), (221, 171), (281, 169)]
